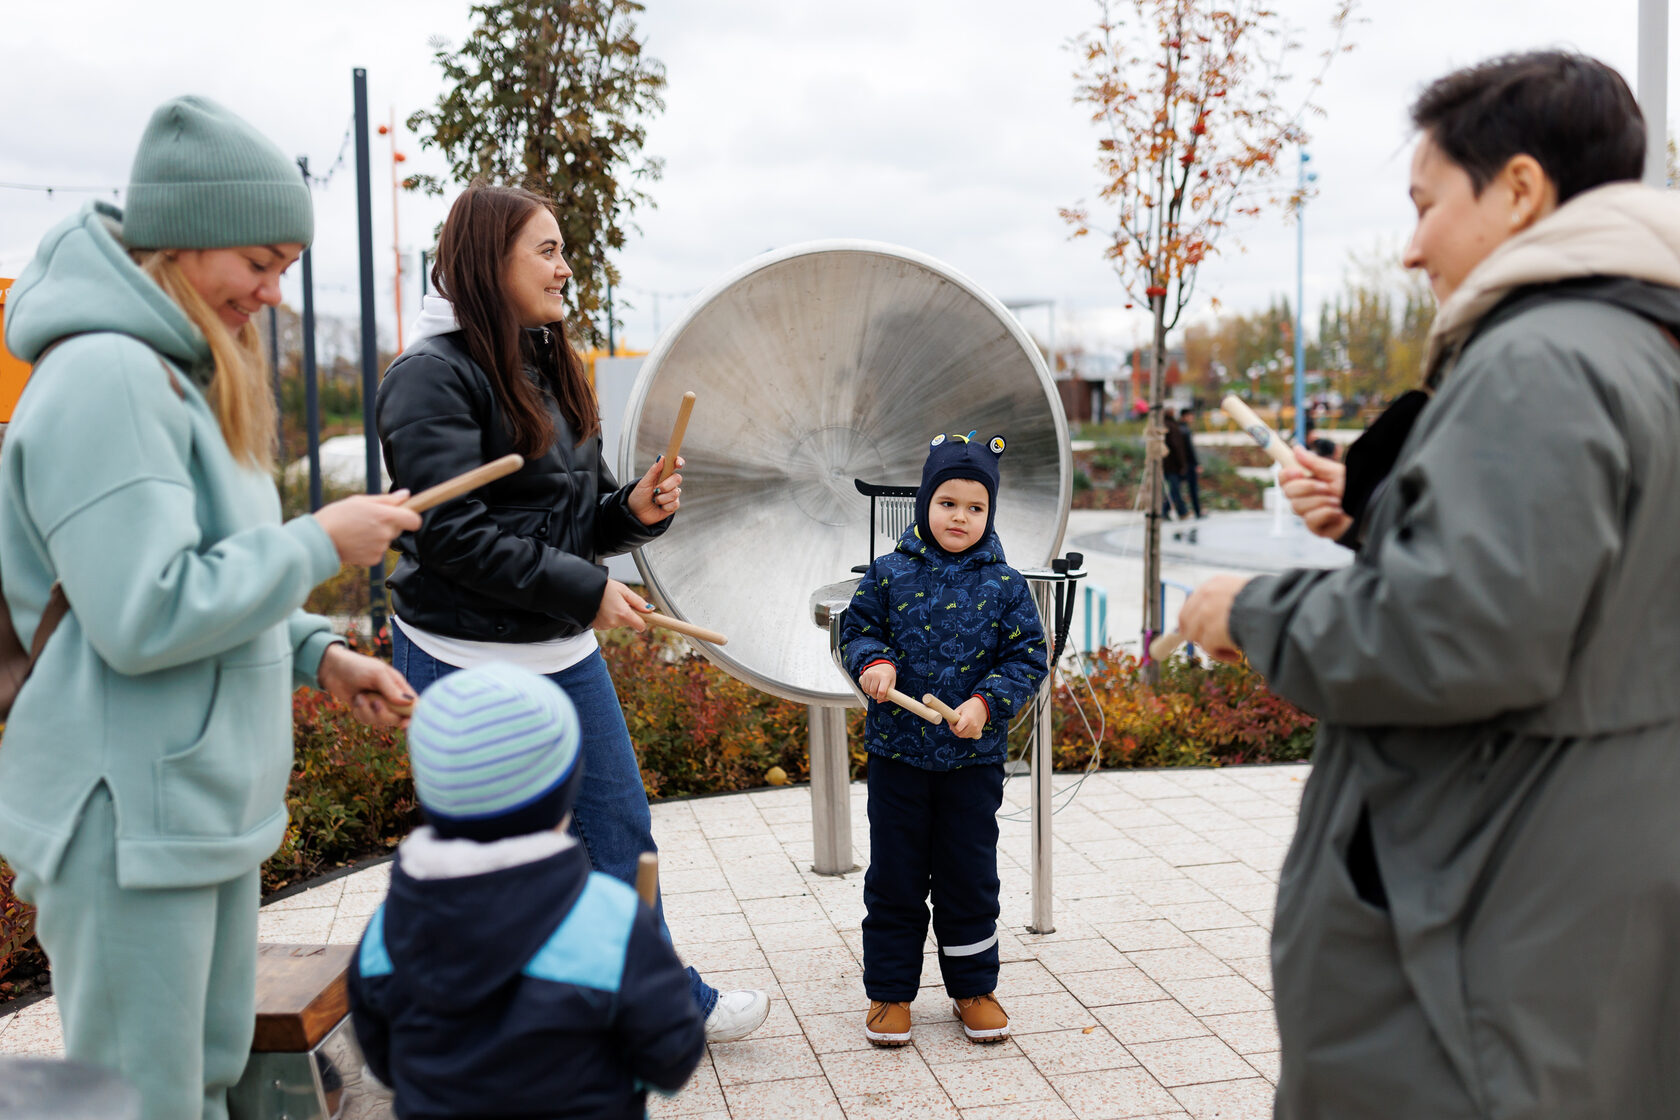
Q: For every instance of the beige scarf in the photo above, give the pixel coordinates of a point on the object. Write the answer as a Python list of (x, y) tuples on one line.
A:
[(1624, 229)]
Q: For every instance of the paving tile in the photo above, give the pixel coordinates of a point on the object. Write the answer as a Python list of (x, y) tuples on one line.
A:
[(1229, 1100), (347, 931), (764, 1059), (879, 1069), (305, 927), (1025, 978), (1246, 1032), (702, 1096), (1006, 1081), (822, 997), (1077, 1051), (1114, 985), (1188, 963), (1248, 899), (1191, 916), (1191, 1061), (1140, 870), (1229, 874), (1157, 934), (687, 929), (1154, 1021), (1256, 970), (1052, 1011), (1023, 1110), (807, 1098), (943, 1041), (1113, 1094), (798, 965), (1079, 956), (1236, 942), (327, 894), (723, 956), (1112, 910), (1159, 892), (1220, 995), (801, 907), (927, 1104), (740, 850), (376, 879), (760, 978), (839, 1030), (1269, 1064), (685, 882), (34, 1031), (787, 936)]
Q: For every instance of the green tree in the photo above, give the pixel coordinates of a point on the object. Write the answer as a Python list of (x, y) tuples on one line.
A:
[(553, 95)]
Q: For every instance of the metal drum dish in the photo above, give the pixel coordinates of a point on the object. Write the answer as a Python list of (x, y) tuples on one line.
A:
[(813, 366)]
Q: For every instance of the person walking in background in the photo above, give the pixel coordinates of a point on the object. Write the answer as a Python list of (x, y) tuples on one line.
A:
[(1192, 464), (1174, 466), (1478, 914), (501, 976), (512, 572), (143, 778)]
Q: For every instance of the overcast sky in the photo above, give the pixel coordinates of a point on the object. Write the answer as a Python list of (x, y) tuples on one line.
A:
[(943, 125)]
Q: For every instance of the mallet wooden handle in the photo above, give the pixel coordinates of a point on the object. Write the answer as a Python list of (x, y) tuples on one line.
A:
[(1268, 440), (665, 621), (462, 483), (911, 705), (677, 431), (1162, 647), (647, 878), (948, 713)]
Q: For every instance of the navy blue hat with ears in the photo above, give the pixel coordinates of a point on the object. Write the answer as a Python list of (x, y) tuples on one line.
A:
[(957, 456)]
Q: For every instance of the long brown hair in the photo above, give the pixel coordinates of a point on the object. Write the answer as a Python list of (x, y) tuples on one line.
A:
[(239, 389), (472, 252)]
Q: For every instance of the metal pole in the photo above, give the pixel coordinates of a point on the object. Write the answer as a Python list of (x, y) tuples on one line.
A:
[(279, 405), (370, 333), (311, 380), (1044, 596), (1653, 88), (396, 236), (831, 797), (612, 349), (424, 272), (1300, 268)]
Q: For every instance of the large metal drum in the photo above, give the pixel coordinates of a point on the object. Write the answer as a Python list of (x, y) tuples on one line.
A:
[(813, 366)]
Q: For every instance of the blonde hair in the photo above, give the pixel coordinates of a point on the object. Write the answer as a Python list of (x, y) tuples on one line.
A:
[(239, 392)]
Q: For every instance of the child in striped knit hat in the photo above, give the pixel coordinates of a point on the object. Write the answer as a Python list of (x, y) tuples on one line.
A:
[(502, 977)]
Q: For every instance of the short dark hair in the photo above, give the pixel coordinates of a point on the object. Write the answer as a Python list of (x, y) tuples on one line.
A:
[(1573, 114)]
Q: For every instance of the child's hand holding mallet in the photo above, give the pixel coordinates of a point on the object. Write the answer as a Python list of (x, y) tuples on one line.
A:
[(878, 680), (971, 719)]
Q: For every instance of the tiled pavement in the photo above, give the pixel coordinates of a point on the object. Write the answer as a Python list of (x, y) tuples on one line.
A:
[(1150, 999)]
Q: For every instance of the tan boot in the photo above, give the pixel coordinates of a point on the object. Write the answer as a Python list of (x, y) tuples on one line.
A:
[(983, 1018), (888, 1024)]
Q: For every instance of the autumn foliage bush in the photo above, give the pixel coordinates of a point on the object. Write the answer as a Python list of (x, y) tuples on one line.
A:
[(698, 730)]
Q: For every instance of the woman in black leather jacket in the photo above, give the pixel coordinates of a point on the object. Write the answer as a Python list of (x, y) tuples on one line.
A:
[(512, 572)]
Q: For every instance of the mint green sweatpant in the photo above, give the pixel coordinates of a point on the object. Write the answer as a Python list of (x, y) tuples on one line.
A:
[(159, 985)]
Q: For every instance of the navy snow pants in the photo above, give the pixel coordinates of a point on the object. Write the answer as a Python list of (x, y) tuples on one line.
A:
[(931, 831)]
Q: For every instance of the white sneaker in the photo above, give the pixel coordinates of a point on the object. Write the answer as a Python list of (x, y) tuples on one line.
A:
[(737, 1014)]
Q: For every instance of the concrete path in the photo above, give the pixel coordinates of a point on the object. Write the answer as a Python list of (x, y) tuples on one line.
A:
[(1150, 999)]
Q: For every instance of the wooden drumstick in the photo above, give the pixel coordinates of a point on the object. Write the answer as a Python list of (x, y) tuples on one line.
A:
[(911, 705), (677, 625), (677, 431), (647, 878), (462, 483), (948, 713), (1162, 647), (1281, 452)]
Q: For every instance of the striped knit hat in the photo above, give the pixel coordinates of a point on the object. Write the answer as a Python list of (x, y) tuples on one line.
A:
[(495, 753)]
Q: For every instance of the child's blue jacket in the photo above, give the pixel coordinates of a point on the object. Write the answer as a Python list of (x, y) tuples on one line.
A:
[(957, 626)]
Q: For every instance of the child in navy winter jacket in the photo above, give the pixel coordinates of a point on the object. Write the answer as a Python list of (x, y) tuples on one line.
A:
[(502, 977), (943, 614)]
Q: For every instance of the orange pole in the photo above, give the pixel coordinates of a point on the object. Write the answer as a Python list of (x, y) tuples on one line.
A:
[(396, 240)]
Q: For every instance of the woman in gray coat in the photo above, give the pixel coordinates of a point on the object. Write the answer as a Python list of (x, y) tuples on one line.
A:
[(1480, 913)]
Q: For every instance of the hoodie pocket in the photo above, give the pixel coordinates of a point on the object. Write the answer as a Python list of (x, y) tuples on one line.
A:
[(233, 776)]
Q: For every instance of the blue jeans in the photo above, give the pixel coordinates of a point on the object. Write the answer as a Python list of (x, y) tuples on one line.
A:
[(611, 816)]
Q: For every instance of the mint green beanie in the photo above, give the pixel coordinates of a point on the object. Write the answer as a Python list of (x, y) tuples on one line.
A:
[(204, 179)]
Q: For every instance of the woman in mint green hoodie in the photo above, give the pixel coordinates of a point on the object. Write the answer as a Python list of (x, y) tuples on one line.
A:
[(144, 766)]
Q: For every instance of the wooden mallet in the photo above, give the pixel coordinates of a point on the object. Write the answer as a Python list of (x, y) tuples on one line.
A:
[(946, 712), (1282, 454), (677, 431), (678, 626), (443, 492), (647, 878), (910, 704)]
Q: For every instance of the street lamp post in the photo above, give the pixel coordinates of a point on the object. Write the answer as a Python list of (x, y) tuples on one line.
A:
[(1303, 177)]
